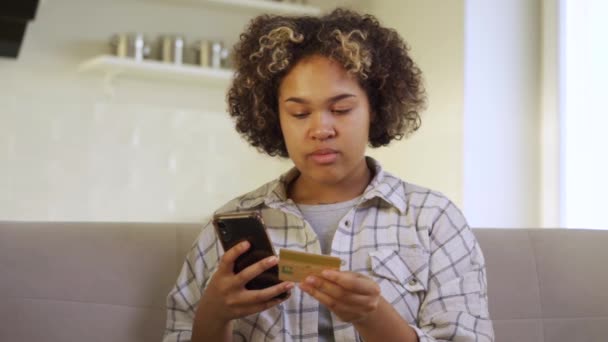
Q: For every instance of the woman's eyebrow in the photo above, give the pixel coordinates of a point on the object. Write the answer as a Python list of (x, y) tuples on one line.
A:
[(330, 100)]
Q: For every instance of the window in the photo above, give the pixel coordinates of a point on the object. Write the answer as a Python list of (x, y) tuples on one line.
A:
[(584, 114)]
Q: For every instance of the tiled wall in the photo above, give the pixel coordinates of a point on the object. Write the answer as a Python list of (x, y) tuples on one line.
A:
[(104, 159)]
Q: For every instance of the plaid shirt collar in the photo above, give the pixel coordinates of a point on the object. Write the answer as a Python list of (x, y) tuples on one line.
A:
[(274, 194)]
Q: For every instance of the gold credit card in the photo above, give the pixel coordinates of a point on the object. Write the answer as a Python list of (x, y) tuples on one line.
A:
[(295, 266)]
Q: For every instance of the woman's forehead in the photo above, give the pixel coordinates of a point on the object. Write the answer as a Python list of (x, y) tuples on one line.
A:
[(317, 78)]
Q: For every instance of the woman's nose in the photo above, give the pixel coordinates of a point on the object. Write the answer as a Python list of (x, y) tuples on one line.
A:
[(323, 134), (322, 127)]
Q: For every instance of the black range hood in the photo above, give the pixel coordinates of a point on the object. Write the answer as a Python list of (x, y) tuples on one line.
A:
[(14, 17)]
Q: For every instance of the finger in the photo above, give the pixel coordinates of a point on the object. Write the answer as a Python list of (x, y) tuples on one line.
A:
[(228, 259), (252, 309), (267, 294), (346, 312), (330, 302), (326, 286), (352, 282), (256, 269), (337, 292)]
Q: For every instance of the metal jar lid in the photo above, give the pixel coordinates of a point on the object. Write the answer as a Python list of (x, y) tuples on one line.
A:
[(172, 49), (130, 45)]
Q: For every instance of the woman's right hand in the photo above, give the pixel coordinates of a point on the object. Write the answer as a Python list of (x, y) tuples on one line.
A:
[(225, 298)]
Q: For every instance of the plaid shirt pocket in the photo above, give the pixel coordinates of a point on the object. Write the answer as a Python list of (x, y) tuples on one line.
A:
[(410, 269), (403, 277)]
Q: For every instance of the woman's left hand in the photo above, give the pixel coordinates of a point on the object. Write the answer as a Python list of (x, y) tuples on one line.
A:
[(350, 296)]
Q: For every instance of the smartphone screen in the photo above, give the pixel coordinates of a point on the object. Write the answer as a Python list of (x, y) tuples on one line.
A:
[(233, 228)]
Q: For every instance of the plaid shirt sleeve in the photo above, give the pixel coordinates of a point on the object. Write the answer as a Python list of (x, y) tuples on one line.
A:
[(456, 304), (183, 299)]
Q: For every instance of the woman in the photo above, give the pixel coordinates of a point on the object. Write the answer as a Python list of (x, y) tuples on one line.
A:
[(318, 91)]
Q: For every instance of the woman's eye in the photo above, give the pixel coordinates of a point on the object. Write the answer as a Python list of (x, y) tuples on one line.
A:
[(300, 115), (341, 111)]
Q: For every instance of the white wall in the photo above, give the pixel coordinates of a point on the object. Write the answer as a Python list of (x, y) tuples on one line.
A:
[(550, 140), (585, 118), (433, 156), (479, 141), (501, 117)]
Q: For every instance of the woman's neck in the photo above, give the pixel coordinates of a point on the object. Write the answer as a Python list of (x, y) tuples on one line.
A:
[(305, 190)]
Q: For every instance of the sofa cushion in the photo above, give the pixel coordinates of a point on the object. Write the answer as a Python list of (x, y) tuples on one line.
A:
[(519, 330), (68, 321), (573, 272), (579, 330), (132, 264), (513, 291)]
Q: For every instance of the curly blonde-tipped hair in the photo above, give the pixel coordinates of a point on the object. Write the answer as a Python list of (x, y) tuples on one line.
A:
[(272, 45)]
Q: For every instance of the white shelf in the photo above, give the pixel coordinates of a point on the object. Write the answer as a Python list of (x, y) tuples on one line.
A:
[(114, 66), (279, 7)]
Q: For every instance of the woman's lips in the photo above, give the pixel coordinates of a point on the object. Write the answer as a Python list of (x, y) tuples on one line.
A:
[(324, 156)]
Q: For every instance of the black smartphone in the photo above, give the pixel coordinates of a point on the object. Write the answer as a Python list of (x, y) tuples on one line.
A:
[(232, 228)]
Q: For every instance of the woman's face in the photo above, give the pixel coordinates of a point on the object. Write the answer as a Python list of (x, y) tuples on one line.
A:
[(325, 118)]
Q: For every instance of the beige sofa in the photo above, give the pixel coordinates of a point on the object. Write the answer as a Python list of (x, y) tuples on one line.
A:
[(107, 281)]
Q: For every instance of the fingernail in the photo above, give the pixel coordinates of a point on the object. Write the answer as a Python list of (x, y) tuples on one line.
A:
[(288, 286), (326, 273), (271, 260), (245, 244), (310, 280)]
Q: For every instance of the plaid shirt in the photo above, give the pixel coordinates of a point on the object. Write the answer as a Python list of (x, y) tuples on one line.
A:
[(413, 242)]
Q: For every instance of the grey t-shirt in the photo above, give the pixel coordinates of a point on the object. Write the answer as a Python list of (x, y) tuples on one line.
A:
[(324, 219)]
